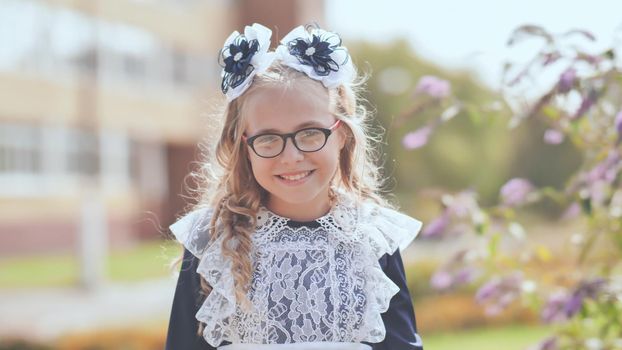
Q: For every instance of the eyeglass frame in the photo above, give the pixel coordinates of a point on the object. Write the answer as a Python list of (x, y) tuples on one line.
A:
[(327, 131)]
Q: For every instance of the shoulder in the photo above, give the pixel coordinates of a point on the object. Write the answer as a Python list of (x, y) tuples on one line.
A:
[(387, 229), (192, 230)]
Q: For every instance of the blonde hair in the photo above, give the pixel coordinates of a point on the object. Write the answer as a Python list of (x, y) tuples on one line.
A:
[(226, 182)]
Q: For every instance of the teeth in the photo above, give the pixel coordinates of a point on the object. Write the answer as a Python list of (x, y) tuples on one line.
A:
[(296, 177)]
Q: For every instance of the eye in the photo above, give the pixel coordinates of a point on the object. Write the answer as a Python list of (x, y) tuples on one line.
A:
[(267, 141), (310, 139), (310, 134)]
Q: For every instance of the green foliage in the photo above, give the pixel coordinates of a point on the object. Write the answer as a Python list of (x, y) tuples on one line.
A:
[(461, 154)]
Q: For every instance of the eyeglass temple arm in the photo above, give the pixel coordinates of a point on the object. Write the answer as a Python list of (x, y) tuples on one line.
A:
[(336, 125)]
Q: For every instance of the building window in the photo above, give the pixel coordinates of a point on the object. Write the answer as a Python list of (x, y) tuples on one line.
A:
[(54, 40), (19, 150), (83, 153), (43, 160)]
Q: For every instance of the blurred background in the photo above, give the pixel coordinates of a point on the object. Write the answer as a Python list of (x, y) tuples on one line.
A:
[(102, 104)]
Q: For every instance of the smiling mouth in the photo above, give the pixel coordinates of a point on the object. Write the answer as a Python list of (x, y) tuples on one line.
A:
[(296, 177)]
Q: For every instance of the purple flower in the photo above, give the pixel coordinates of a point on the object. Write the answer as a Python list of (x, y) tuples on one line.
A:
[(572, 211), (549, 343), (489, 290), (437, 226), (566, 80), (448, 277), (455, 272), (499, 292), (587, 103), (561, 306), (462, 204), (464, 275), (618, 124), (599, 191), (516, 191), (417, 138), (591, 59), (433, 87), (573, 305), (554, 309), (553, 136), (606, 170), (586, 290), (441, 279)]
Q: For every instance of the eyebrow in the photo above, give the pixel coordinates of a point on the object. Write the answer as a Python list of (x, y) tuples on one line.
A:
[(298, 127)]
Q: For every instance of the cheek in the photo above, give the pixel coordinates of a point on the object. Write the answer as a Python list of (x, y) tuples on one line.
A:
[(329, 157), (260, 167)]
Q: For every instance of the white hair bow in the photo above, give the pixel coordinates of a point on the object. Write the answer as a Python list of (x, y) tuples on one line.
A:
[(242, 57), (313, 51), (317, 53)]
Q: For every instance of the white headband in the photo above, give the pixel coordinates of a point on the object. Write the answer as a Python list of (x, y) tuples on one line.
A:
[(315, 52)]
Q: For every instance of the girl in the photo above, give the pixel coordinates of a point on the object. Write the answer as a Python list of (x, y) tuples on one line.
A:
[(291, 246)]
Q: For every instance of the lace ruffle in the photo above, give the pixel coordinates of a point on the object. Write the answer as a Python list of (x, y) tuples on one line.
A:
[(220, 304), (386, 230), (367, 229), (192, 230), (380, 290)]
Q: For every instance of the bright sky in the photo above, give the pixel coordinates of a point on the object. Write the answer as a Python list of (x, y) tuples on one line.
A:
[(471, 33)]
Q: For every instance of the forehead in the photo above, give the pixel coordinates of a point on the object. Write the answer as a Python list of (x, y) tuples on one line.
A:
[(283, 109)]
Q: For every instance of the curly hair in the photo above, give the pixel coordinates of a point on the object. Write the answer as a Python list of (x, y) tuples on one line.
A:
[(225, 181)]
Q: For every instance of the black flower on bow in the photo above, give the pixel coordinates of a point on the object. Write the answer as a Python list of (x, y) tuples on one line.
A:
[(316, 53), (236, 61)]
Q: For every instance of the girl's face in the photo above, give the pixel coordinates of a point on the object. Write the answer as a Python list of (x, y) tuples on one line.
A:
[(297, 182)]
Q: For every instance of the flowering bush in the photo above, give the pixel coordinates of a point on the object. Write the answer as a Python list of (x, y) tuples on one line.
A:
[(582, 106)]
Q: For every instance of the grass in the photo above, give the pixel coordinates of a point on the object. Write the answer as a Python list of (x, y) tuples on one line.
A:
[(145, 261), (48, 271), (514, 337)]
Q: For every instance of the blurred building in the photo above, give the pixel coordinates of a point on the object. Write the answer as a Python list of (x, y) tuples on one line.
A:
[(106, 98)]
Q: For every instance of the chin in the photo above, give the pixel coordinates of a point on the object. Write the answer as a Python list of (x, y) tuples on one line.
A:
[(297, 197)]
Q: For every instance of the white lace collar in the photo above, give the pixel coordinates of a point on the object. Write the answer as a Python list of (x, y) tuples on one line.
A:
[(370, 227), (341, 215)]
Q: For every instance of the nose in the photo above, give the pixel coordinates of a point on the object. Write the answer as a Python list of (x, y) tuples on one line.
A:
[(291, 154)]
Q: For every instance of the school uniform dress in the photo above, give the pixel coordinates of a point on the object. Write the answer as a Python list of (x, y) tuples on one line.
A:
[(336, 283)]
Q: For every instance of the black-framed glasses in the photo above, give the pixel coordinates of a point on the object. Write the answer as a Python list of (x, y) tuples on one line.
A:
[(270, 145)]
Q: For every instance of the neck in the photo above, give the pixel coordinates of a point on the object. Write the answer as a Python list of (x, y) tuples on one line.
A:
[(307, 211)]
